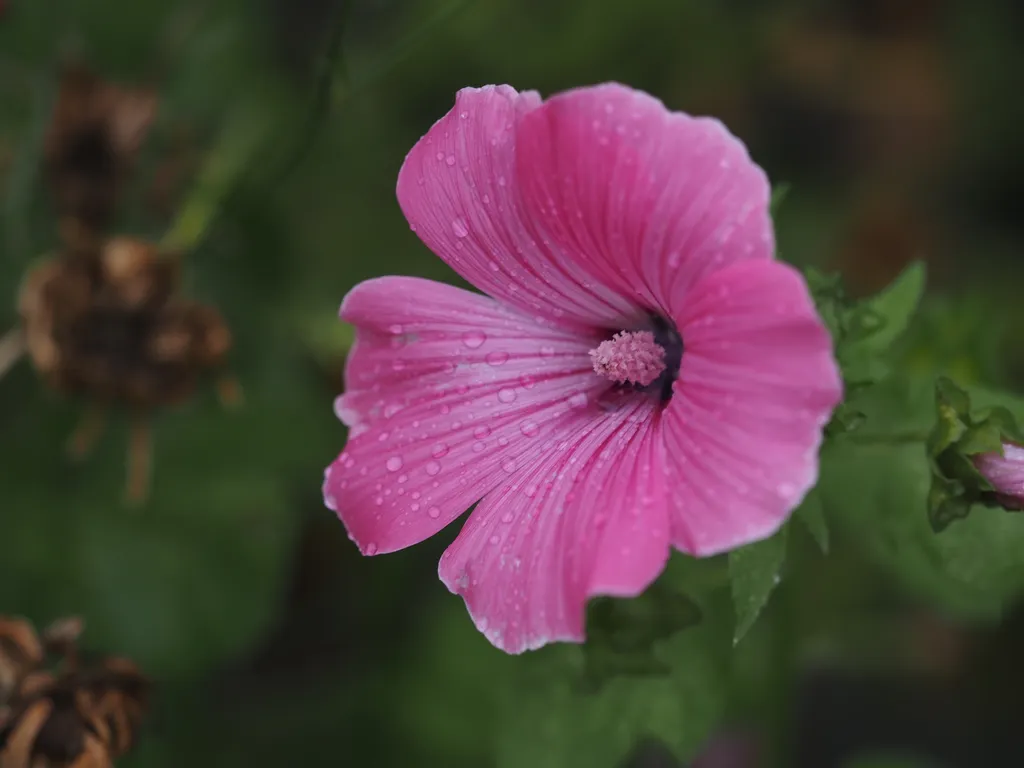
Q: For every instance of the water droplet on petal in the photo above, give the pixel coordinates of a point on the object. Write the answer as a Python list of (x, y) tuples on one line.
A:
[(495, 539), (440, 155), (579, 400), (479, 447), (481, 432), (434, 512), (529, 429), (509, 465), (371, 548), (432, 468), (460, 228), (497, 358), (506, 395), (450, 160), (394, 464), (474, 339), (547, 351)]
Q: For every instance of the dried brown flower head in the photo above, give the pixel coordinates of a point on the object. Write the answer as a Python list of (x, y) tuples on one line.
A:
[(113, 328), (93, 137), (77, 717), (20, 653)]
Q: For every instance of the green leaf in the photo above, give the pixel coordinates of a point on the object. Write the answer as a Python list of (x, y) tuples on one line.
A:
[(812, 514), (877, 495), (552, 721), (755, 571), (779, 194), (896, 306)]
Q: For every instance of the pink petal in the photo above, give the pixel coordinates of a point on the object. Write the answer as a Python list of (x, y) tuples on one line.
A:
[(1006, 472), (588, 517), (651, 200), (448, 393), (458, 190), (757, 384)]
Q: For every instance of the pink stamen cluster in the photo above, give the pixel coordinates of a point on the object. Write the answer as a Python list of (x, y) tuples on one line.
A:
[(630, 356)]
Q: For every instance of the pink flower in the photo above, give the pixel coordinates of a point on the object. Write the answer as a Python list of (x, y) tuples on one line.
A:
[(1005, 473), (640, 375)]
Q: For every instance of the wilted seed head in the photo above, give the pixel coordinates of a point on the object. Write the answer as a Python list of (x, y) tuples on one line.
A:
[(91, 142), (54, 726), (115, 329), (20, 653)]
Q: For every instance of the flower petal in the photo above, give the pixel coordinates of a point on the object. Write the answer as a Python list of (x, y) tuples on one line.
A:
[(458, 190), (650, 199), (1006, 472), (588, 517), (757, 384), (447, 393)]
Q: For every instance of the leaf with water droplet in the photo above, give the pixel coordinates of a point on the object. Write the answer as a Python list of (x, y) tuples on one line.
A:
[(554, 718), (812, 514), (755, 572)]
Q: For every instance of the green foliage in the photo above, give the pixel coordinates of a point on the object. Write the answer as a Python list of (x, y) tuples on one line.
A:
[(756, 570), (862, 333), (957, 437), (555, 718), (877, 494), (812, 515)]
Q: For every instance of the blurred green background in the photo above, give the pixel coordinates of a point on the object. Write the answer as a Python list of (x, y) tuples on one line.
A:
[(897, 123)]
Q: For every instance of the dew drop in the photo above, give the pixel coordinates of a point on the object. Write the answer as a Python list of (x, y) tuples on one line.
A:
[(509, 465), (527, 381), (481, 432), (403, 478), (579, 400), (440, 155), (497, 358), (433, 468), (394, 464), (395, 328), (507, 517), (529, 429), (547, 351), (473, 339), (415, 507), (506, 395), (479, 447), (371, 549), (495, 539), (460, 228), (450, 160), (434, 512)]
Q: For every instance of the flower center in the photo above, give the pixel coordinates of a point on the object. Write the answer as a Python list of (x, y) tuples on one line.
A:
[(630, 357)]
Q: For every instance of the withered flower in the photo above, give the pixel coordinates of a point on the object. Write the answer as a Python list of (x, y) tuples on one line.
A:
[(115, 330), (93, 137), (77, 717), (20, 653)]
